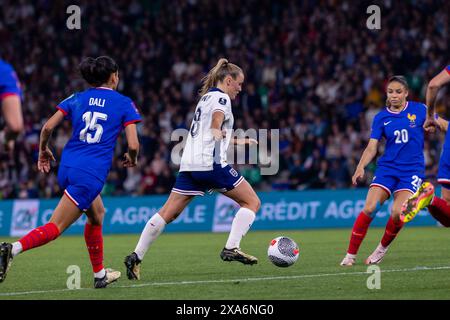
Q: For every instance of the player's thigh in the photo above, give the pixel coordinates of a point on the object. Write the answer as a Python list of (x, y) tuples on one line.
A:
[(245, 196), (65, 213), (12, 112), (174, 205), (375, 198), (96, 212)]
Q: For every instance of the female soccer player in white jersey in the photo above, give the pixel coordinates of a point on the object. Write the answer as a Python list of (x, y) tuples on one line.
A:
[(204, 167)]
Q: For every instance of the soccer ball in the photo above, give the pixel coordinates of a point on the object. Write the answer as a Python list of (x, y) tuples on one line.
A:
[(283, 252)]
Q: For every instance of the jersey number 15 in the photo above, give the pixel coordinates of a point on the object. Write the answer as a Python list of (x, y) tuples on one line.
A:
[(90, 119)]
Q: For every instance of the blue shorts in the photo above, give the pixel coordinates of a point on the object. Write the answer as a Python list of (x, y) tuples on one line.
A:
[(195, 183), (444, 169), (394, 182), (81, 187)]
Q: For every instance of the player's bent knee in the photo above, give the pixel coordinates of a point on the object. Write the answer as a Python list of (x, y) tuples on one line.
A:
[(253, 204), (96, 220), (369, 210), (257, 204)]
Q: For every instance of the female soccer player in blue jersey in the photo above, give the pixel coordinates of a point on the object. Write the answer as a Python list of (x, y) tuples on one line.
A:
[(399, 171), (98, 115), (204, 167), (438, 207), (10, 100)]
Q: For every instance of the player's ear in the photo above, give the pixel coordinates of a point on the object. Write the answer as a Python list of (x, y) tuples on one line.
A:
[(228, 80)]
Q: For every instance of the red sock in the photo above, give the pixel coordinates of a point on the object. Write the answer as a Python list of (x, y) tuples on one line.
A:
[(359, 231), (392, 229), (440, 210), (94, 242), (39, 236)]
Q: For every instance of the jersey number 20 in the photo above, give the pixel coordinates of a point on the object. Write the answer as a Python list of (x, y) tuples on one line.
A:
[(91, 118), (401, 136)]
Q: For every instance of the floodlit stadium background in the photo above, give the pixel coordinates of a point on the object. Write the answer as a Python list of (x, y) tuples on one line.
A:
[(313, 70)]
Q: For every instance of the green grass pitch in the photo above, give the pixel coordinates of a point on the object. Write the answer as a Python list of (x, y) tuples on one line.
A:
[(186, 266)]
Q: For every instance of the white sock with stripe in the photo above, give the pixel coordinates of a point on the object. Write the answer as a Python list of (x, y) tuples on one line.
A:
[(241, 224), (155, 225)]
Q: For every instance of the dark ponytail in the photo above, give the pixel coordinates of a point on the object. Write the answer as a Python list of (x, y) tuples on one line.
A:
[(97, 71)]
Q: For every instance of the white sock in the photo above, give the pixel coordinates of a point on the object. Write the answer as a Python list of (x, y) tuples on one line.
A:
[(100, 274), (241, 224), (351, 256), (16, 249), (152, 230)]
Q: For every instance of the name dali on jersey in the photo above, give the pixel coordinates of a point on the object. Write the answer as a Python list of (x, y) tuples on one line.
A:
[(97, 102)]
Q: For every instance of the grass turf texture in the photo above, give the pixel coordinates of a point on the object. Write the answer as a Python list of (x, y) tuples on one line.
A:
[(193, 258)]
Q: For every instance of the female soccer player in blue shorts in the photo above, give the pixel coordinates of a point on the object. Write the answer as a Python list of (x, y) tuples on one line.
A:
[(438, 207), (98, 115), (10, 100), (204, 167), (399, 171)]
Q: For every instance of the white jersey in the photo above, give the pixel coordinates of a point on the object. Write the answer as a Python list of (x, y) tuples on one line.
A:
[(201, 150)]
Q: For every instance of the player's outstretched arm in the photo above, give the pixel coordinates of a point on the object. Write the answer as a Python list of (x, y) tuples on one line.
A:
[(45, 155), (12, 113), (130, 158), (243, 141), (369, 153), (433, 88)]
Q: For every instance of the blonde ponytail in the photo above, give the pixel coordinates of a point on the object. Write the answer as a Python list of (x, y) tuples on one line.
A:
[(218, 73)]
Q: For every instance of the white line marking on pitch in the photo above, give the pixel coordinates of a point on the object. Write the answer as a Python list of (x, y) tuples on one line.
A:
[(148, 284)]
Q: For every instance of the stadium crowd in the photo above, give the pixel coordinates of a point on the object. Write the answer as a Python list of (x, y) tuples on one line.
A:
[(313, 70)]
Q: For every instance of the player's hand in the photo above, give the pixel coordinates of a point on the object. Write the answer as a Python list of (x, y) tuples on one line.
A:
[(430, 125), (217, 134), (244, 141), (359, 174), (45, 157), (128, 162)]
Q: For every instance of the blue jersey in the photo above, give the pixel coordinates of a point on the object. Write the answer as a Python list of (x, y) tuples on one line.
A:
[(9, 83), (98, 115), (404, 136), (448, 69)]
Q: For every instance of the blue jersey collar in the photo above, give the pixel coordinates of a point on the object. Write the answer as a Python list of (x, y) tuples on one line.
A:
[(406, 106)]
